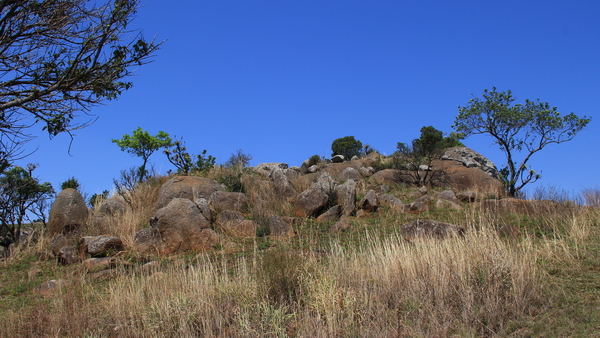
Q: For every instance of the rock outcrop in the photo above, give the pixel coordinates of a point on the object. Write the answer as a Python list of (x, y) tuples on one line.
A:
[(68, 213), (177, 227), (189, 187)]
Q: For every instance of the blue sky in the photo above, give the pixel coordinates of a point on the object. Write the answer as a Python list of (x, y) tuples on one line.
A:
[(282, 79)]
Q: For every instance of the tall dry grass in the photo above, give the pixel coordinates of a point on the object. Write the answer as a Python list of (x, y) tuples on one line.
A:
[(484, 284), (475, 286)]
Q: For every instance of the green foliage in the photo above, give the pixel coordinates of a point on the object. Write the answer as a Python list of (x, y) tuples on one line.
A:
[(20, 193), (71, 183), (315, 159), (346, 146), (423, 151), (60, 58), (517, 128), (142, 144), (182, 160)]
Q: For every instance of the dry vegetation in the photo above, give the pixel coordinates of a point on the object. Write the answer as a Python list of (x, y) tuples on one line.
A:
[(541, 280)]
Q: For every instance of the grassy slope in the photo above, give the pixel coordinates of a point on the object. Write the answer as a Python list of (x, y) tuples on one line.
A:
[(256, 293)]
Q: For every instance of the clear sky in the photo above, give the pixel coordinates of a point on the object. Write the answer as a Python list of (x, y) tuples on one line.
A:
[(282, 79)]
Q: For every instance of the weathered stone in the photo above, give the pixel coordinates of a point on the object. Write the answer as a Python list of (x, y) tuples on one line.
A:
[(466, 196), (68, 213), (96, 264), (97, 246), (236, 224), (369, 202), (471, 159), (67, 255), (415, 194), (386, 176), (337, 159), (447, 195), (109, 210), (430, 229), (446, 204), (342, 224), (423, 190), (60, 241), (279, 228), (188, 187), (268, 168), (310, 202), (427, 199), (313, 169), (331, 214), (223, 200), (204, 206), (392, 202), (366, 172), (346, 197), (351, 173), (50, 288), (417, 207), (460, 178), (178, 227), (282, 184)]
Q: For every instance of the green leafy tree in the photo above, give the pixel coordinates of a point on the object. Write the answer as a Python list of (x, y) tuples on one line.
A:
[(178, 156), (346, 146), (517, 128), (20, 193), (59, 59), (142, 144), (417, 157), (71, 183)]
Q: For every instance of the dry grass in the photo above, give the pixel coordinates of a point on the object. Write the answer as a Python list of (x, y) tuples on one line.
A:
[(367, 282)]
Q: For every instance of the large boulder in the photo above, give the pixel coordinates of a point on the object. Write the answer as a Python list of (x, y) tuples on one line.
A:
[(99, 246), (351, 173), (189, 187), (177, 227), (282, 183), (268, 168), (461, 178), (68, 213), (430, 229), (109, 210), (279, 227), (312, 200), (392, 202), (223, 200), (234, 223), (471, 159), (369, 202), (346, 196), (386, 176)]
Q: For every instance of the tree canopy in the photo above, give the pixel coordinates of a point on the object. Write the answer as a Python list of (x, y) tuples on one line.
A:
[(517, 128), (142, 144), (59, 58), (346, 146)]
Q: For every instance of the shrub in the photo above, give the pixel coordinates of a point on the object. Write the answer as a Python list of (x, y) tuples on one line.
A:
[(71, 183), (346, 146)]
